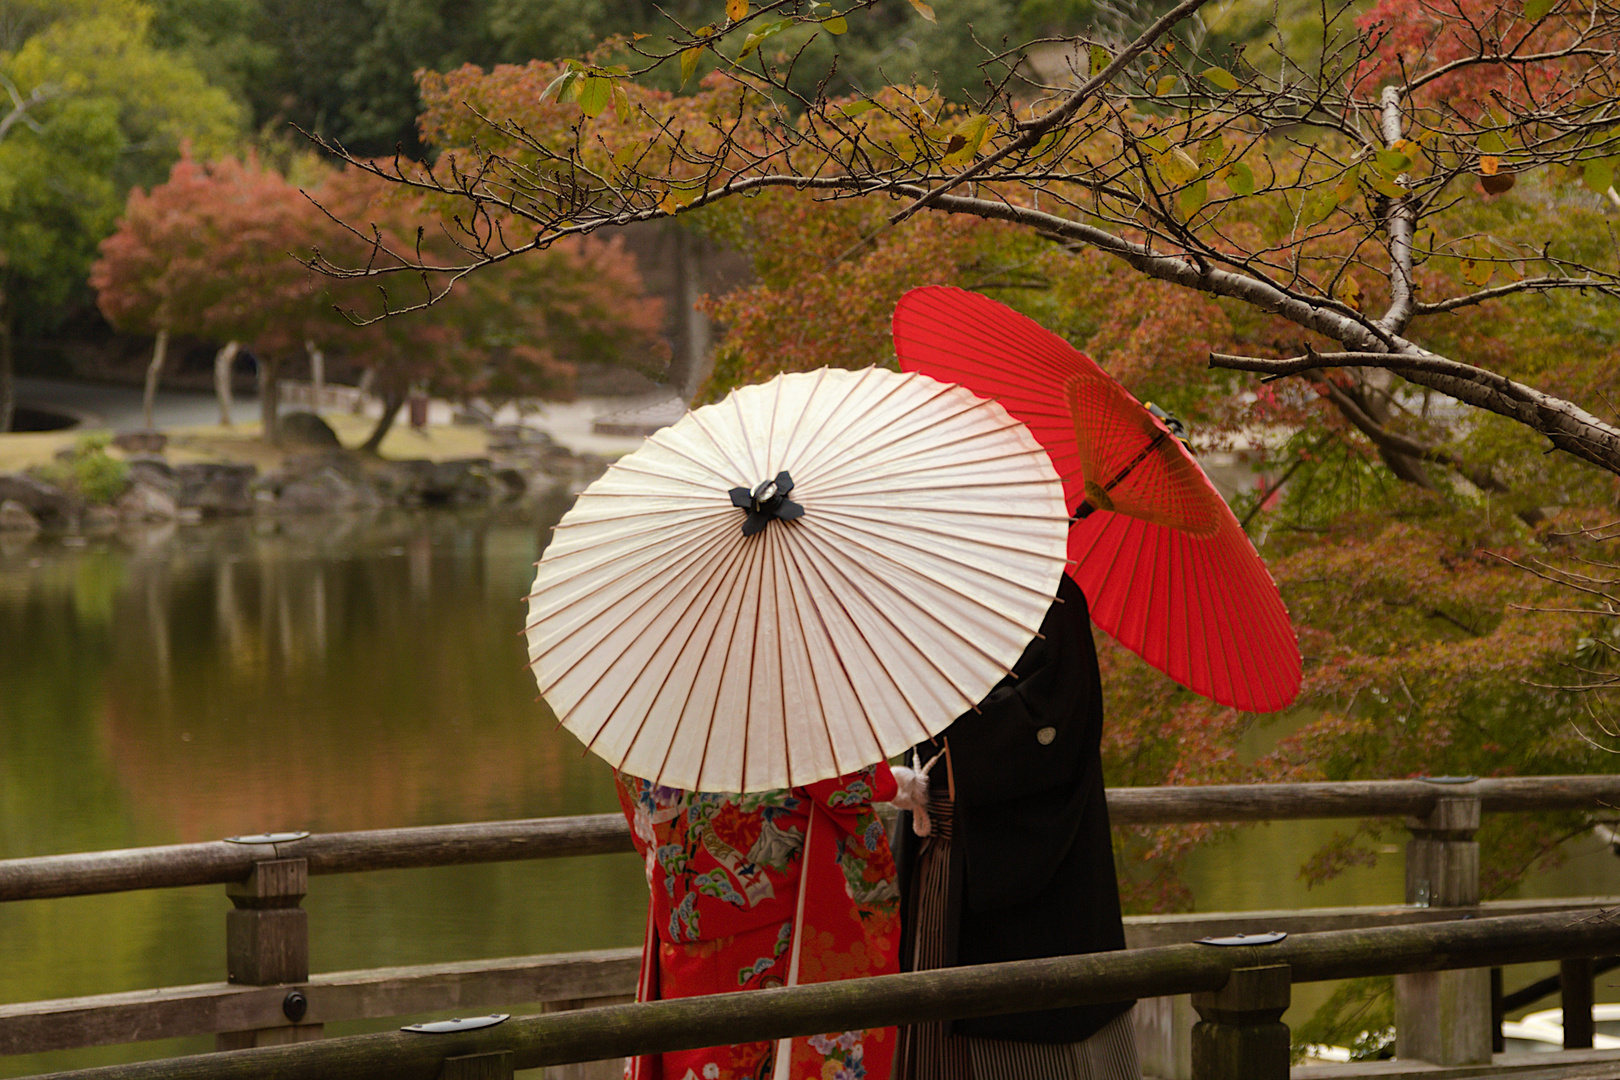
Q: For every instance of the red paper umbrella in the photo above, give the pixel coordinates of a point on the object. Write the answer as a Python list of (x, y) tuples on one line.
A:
[(1165, 566)]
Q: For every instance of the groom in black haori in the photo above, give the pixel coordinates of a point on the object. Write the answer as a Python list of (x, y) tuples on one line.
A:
[(1013, 861)]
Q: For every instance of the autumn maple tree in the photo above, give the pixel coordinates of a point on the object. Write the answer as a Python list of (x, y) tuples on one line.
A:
[(213, 253)]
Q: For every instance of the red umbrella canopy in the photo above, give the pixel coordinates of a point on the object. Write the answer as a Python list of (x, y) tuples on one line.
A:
[(1165, 567)]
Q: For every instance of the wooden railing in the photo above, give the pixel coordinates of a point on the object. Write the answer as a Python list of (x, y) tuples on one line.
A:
[(1240, 992), (272, 997)]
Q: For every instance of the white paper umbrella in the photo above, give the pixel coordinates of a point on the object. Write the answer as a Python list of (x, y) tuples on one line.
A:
[(695, 625)]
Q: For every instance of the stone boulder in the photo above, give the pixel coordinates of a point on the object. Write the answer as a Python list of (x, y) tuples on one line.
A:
[(460, 482), (305, 429), (143, 502), (17, 518), (325, 490), (54, 508), (215, 490), (516, 436), (154, 472)]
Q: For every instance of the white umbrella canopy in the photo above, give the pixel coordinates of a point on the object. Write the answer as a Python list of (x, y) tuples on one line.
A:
[(798, 581)]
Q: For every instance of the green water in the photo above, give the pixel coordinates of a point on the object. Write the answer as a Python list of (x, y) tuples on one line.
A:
[(322, 674), (353, 673)]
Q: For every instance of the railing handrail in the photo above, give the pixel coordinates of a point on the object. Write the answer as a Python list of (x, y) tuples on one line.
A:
[(217, 862), (614, 1031)]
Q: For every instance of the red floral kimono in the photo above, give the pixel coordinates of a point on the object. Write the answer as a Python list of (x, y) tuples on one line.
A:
[(740, 903)]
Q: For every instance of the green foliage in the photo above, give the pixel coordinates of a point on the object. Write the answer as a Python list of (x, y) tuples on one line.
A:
[(1360, 1015), (120, 111), (89, 471)]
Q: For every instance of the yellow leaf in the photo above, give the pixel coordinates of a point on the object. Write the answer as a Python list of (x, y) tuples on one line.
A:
[(1220, 78), (638, 36), (924, 10), (689, 60), (1350, 292), (736, 10), (835, 25), (1488, 165), (1164, 86), (1177, 166)]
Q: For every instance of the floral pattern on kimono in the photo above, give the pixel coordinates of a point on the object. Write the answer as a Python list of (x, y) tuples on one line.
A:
[(724, 875)]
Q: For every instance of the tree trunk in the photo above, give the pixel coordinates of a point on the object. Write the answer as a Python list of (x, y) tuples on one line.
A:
[(154, 371), (269, 398), (393, 401), (7, 390), (317, 375), (222, 379)]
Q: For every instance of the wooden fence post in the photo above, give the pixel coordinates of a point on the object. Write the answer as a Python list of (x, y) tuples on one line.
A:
[(1444, 1017), (267, 943), (1240, 1035), (1575, 988)]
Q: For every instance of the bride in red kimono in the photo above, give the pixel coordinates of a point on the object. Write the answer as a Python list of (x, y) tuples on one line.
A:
[(776, 888)]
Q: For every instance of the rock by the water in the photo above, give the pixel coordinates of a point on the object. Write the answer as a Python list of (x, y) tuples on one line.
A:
[(214, 489), (306, 429), (17, 518), (326, 490), (54, 508), (143, 502), (154, 472)]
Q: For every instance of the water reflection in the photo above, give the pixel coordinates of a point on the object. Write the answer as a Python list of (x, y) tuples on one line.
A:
[(319, 674)]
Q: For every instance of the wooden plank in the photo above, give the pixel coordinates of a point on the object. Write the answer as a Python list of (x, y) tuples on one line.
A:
[(207, 1008), (989, 989), (1146, 931), (1566, 1065), (328, 853), (1364, 798), (600, 834), (376, 993)]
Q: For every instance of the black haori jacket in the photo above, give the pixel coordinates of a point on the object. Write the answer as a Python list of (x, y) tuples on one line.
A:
[(1032, 864)]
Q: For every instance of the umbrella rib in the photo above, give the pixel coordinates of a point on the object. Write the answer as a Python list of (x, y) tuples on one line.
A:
[(798, 420), (750, 558), (719, 561), (704, 527), (924, 468), (806, 464), (860, 455), (626, 575), (756, 470), (696, 419), (936, 553), (674, 584), (815, 565), (887, 523), (856, 411), (901, 632), (959, 511)]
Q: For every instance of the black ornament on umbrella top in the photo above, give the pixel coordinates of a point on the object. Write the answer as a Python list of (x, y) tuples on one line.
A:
[(768, 500)]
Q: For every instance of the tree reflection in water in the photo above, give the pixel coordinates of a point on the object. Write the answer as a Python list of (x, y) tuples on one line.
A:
[(313, 673)]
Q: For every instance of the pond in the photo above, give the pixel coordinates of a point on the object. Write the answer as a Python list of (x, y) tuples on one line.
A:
[(332, 673)]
